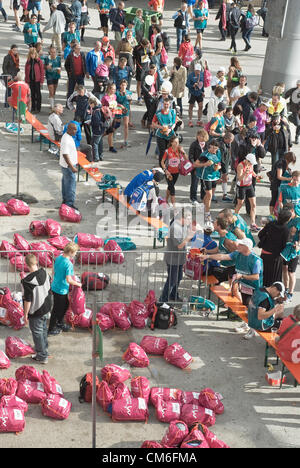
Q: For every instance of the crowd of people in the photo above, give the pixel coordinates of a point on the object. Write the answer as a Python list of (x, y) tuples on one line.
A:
[(235, 129)]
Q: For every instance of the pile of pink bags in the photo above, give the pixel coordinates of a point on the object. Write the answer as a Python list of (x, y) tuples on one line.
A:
[(14, 207), (11, 312), (78, 315), (30, 387)]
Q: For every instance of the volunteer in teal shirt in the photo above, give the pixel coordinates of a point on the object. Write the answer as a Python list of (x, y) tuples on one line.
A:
[(290, 193), (263, 314), (164, 122), (200, 17), (32, 31), (63, 272)]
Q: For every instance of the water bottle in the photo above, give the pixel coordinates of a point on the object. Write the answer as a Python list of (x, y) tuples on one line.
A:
[(185, 306)]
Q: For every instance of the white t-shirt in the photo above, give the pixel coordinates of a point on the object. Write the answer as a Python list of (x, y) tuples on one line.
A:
[(67, 146), (238, 92)]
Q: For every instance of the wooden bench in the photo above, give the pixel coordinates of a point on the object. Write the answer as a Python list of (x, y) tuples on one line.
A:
[(239, 309)]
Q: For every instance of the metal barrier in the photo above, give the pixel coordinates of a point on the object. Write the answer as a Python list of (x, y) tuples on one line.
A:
[(130, 280)]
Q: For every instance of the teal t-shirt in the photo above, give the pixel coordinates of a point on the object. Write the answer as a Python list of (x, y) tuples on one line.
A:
[(260, 298), (248, 265), (167, 120), (209, 173), (199, 13), (291, 194), (224, 250), (62, 268), (52, 73), (243, 226)]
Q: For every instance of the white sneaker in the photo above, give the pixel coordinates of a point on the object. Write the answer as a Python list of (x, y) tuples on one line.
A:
[(195, 202), (242, 329), (250, 334)]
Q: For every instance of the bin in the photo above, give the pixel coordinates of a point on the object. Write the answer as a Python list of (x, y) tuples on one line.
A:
[(130, 14)]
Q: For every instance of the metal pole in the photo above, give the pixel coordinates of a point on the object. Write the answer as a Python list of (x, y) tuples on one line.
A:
[(94, 371), (18, 141)]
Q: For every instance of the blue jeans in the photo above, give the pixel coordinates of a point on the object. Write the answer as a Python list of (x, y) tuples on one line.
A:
[(156, 61), (3, 11), (170, 291), (68, 186), (247, 36), (97, 144), (38, 327), (180, 33)]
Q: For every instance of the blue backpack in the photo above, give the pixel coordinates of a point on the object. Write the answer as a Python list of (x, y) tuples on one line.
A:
[(139, 197)]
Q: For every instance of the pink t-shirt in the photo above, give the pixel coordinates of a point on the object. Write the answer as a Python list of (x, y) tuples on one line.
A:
[(261, 120)]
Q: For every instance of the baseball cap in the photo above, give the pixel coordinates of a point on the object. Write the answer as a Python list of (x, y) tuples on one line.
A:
[(198, 67), (251, 158), (221, 69), (209, 226), (280, 287), (247, 242), (105, 39)]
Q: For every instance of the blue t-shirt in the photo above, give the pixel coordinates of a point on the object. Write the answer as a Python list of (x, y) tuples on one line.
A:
[(199, 13), (201, 241), (62, 268)]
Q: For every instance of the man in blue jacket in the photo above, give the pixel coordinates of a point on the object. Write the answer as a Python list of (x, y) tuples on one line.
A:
[(94, 58), (117, 19)]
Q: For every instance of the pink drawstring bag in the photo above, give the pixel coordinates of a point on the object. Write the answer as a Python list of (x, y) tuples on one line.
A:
[(77, 300), (53, 228), (120, 391), (106, 308), (11, 420), (104, 321), (151, 444), (15, 315), (89, 241), (66, 213), (138, 314), (50, 384), (16, 347), (166, 394), (44, 258), (194, 413), (56, 407), (31, 392), (120, 317), (136, 356), (4, 317), (175, 354), (12, 401), (83, 320), (167, 411), (5, 297), (210, 437), (17, 207), (38, 228), (3, 210), (94, 281), (154, 345), (91, 257), (8, 386), (8, 250), (175, 434), (195, 440), (4, 361), (104, 395), (59, 242), (21, 243), (28, 373), (140, 388), (130, 409), (112, 374), (114, 252), (150, 302), (19, 264), (190, 398), (212, 400)]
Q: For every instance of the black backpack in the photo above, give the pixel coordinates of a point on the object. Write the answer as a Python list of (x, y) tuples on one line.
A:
[(179, 21), (166, 41), (163, 317)]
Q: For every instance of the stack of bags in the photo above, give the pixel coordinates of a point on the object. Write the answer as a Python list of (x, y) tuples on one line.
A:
[(30, 387), (14, 207), (11, 310)]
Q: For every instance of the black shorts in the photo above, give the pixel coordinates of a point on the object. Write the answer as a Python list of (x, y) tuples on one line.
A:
[(292, 264), (200, 31), (247, 192), (171, 184), (140, 71), (52, 82), (225, 167), (15, 5), (209, 184), (103, 20), (194, 99)]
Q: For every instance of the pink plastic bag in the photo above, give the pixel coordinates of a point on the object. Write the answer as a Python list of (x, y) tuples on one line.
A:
[(66, 213), (44, 258), (210, 437), (11, 420), (28, 373), (94, 281), (166, 394), (15, 315), (56, 407), (151, 444), (31, 392), (3, 210), (8, 250), (12, 401), (114, 252), (50, 384), (17, 207), (83, 320), (167, 411), (21, 243), (138, 313), (112, 373), (104, 321), (104, 395), (19, 263), (59, 242), (175, 354), (89, 241), (175, 434), (154, 345), (91, 256), (193, 267), (77, 300), (53, 228), (212, 400), (195, 440), (140, 388), (120, 316), (190, 398), (185, 167), (120, 391), (4, 361), (38, 228), (136, 356), (194, 413), (16, 347), (106, 308), (130, 409), (150, 301), (8, 386)]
